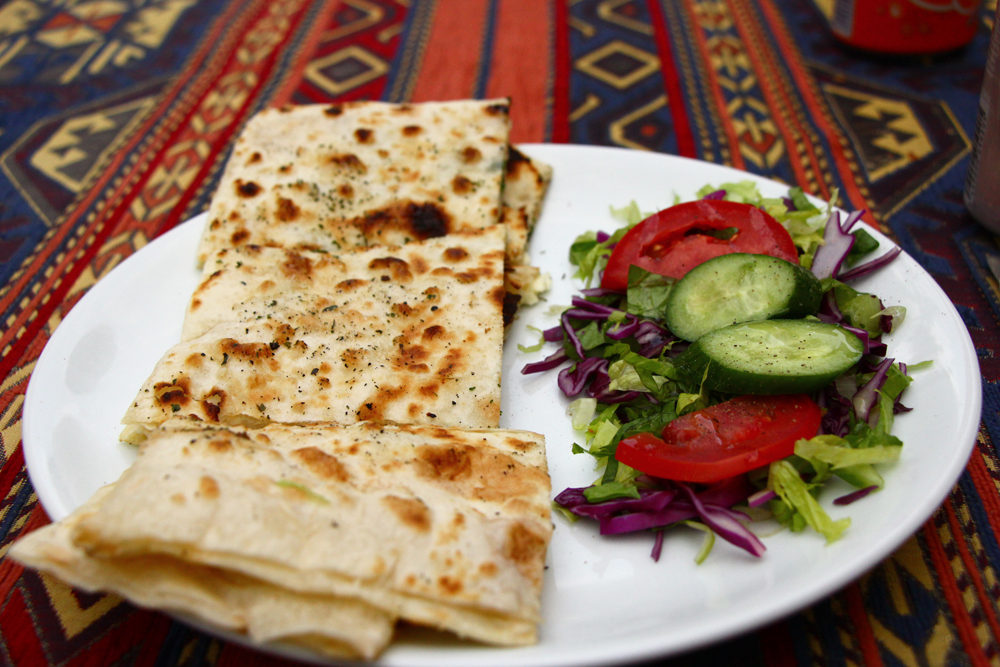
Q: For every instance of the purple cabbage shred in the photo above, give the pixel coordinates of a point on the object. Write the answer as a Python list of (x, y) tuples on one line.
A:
[(667, 503), (849, 498)]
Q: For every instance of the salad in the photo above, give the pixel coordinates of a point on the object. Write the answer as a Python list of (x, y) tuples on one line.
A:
[(722, 369)]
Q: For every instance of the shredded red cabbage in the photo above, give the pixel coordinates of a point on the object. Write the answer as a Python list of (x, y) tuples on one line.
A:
[(554, 360), (849, 498), (573, 380), (760, 498), (867, 396), (666, 504), (837, 243), (866, 268), (725, 523)]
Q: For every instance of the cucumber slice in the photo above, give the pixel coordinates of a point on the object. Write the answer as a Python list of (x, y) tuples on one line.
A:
[(739, 287), (771, 357)]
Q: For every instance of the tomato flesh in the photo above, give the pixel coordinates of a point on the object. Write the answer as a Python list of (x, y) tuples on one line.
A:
[(679, 238), (724, 440)]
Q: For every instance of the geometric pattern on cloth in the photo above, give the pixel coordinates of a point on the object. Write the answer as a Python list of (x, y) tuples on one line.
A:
[(617, 94)]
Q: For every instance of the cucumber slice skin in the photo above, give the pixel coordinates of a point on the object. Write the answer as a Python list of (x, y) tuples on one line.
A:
[(740, 287), (771, 357)]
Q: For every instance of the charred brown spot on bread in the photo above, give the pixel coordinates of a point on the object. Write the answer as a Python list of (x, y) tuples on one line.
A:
[(349, 161), (403, 109), (173, 393), (429, 390), (248, 351), (240, 236), (427, 220), (519, 445), (285, 169), (445, 463), (364, 135), (333, 110), (397, 268), (432, 332), (349, 284), (515, 161), (461, 185), (467, 277), (373, 408), (322, 464), (208, 487), (255, 157), (442, 271), (471, 155), (421, 221), (449, 586), (498, 109), (455, 254), (412, 130), (287, 210), (411, 512), (411, 357), (193, 360), (297, 265), (212, 404), (247, 189), (403, 309), (488, 569), (346, 191), (509, 304), (523, 546), (453, 363)]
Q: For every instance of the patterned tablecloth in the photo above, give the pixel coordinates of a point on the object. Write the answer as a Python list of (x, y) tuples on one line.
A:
[(116, 117)]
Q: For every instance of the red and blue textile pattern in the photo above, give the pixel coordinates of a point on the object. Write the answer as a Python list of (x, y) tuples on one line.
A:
[(111, 139)]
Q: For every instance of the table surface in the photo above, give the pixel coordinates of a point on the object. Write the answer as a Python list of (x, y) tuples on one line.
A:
[(117, 118)]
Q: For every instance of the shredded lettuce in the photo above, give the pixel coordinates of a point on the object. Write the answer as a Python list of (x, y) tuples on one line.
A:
[(707, 542), (581, 412), (784, 479), (537, 346), (610, 490)]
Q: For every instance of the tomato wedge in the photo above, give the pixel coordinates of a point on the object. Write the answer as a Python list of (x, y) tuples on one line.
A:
[(679, 238), (724, 440)]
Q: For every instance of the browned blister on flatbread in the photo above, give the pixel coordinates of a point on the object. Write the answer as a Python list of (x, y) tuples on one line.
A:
[(411, 334), (331, 177), (443, 527)]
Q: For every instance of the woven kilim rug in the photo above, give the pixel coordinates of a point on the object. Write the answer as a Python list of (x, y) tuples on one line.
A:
[(117, 116)]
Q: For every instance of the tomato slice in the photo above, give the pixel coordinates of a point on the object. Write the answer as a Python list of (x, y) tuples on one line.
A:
[(724, 440), (679, 238)]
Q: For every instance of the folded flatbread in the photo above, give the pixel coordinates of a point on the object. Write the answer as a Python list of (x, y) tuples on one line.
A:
[(326, 624), (410, 334), (329, 177), (442, 527), (526, 181)]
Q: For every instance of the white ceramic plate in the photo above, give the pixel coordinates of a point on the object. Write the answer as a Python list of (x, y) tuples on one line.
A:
[(605, 600)]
